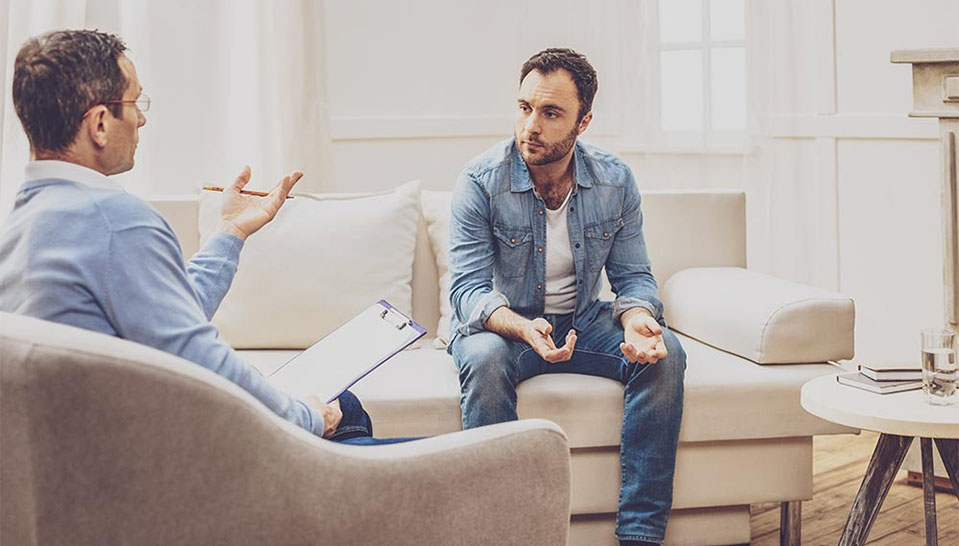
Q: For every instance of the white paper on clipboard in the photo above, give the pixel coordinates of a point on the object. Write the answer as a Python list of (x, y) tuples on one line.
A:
[(349, 353)]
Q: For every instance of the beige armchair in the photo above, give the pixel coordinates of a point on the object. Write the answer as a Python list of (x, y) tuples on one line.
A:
[(104, 441)]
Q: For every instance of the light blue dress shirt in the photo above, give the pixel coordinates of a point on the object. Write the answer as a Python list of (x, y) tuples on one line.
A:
[(78, 250)]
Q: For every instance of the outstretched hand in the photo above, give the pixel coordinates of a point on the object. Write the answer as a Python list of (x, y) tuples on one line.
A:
[(538, 337), (242, 215), (643, 340)]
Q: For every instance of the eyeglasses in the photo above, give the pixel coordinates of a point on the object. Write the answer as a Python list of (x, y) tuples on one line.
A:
[(142, 102)]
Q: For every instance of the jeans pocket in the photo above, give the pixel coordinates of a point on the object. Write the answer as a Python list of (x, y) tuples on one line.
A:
[(513, 245), (599, 239)]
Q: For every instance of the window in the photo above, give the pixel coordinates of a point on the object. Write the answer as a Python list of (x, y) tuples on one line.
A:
[(698, 49)]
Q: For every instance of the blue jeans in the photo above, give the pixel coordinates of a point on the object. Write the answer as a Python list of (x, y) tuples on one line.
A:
[(491, 366), (356, 427)]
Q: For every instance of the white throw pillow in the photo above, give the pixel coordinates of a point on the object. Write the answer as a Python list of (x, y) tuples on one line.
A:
[(436, 212), (322, 260)]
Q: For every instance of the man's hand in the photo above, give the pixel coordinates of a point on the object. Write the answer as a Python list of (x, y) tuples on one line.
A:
[(537, 335), (242, 215), (643, 338), (331, 413)]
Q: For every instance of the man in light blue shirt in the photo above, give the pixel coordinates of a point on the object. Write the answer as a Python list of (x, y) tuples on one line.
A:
[(78, 250)]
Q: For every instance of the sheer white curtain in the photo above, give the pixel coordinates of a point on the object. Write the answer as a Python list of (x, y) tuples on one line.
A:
[(791, 216), (232, 82)]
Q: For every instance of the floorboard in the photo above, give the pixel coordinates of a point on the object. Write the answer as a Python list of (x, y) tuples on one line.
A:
[(839, 463)]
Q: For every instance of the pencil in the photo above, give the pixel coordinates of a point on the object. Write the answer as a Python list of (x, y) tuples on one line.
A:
[(244, 192)]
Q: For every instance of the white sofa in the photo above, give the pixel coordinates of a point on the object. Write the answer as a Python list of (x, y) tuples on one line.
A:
[(744, 438)]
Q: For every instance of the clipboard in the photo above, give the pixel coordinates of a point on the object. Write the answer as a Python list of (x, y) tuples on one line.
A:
[(348, 354)]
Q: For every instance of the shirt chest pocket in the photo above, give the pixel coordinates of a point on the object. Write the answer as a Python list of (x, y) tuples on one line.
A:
[(599, 239), (513, 247)]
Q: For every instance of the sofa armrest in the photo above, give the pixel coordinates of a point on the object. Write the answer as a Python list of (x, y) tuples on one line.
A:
[(760, 317)]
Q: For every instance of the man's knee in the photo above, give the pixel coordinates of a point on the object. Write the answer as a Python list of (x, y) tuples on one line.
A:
[(674, 349), (484, 359), (673, 367)]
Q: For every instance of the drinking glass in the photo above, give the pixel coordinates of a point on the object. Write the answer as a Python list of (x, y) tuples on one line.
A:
[(939, 376)]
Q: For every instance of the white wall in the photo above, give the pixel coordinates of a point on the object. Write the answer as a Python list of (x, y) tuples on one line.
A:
[(418, 87), (872, 173)]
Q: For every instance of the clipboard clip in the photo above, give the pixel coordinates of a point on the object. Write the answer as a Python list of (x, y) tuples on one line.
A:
[(395, 318)]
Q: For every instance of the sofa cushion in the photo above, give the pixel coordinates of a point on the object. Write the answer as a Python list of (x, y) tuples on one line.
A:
[(727, 397), (302, 252), (436, 213), (760, 317)]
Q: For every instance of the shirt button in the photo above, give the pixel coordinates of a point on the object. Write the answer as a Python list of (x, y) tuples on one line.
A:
[(580, 281), (577, 245), (539, 287), (571, 209), (512, 240), (605, 234), (540, 249), (541, 212)]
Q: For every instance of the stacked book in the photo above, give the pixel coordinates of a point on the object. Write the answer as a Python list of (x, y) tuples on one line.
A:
[(884, 378)]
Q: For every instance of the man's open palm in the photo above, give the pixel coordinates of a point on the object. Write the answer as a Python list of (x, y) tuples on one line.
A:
[(643, 340), (242, 215)]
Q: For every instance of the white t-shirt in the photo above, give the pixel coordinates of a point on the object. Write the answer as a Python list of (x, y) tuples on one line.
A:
[(560, 268)]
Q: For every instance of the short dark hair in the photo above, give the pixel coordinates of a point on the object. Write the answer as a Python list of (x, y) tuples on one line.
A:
[(60, 75), (557, 58)]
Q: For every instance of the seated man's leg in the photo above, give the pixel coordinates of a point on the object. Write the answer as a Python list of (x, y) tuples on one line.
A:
[(653, 408), (489, 372), (356, 427), (355, 423)]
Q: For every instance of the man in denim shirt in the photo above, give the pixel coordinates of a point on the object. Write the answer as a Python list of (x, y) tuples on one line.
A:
[(534, 221)]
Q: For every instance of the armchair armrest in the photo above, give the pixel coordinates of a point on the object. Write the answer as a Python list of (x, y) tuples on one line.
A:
[(760, 317)]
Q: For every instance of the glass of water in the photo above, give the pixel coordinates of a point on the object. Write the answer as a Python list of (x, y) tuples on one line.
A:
[(939, 376)]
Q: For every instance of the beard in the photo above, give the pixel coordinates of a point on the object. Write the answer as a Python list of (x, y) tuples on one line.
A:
[(549, 152)]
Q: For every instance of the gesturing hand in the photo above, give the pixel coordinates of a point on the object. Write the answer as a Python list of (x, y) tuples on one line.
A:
[(242, 215), (537, 335), (643, 340)]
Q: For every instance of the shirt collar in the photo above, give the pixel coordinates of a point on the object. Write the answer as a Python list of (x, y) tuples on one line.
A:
[(47, 169), (521, 181)]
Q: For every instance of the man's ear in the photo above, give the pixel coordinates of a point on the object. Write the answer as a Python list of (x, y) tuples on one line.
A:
[(584, 123), (95, 125)]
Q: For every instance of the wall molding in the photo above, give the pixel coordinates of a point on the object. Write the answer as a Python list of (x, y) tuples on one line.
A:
[(413, 127), (347, 128), (856, 126)]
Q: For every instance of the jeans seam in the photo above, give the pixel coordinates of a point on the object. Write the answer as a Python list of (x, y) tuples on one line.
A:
[(646, 538), (347, 429)]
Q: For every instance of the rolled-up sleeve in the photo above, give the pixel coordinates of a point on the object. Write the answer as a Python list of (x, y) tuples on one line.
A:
[(628, 267), (472, 254)]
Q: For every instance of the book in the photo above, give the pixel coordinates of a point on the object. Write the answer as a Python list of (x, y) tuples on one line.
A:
[(860, 381), (892, 372)]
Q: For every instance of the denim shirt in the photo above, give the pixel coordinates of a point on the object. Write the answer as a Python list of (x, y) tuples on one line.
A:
[(498, 239)]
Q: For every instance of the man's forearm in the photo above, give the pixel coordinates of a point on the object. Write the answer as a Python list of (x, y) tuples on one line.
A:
[(507, 323)]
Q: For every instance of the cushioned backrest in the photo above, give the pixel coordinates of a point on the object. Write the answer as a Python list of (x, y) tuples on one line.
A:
[(683, 229), (104, 437)]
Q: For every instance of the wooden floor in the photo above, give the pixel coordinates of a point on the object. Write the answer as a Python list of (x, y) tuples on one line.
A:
[(839, 463)]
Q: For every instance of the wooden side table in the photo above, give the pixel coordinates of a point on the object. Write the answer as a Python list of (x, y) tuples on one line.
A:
[(900, 418)]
